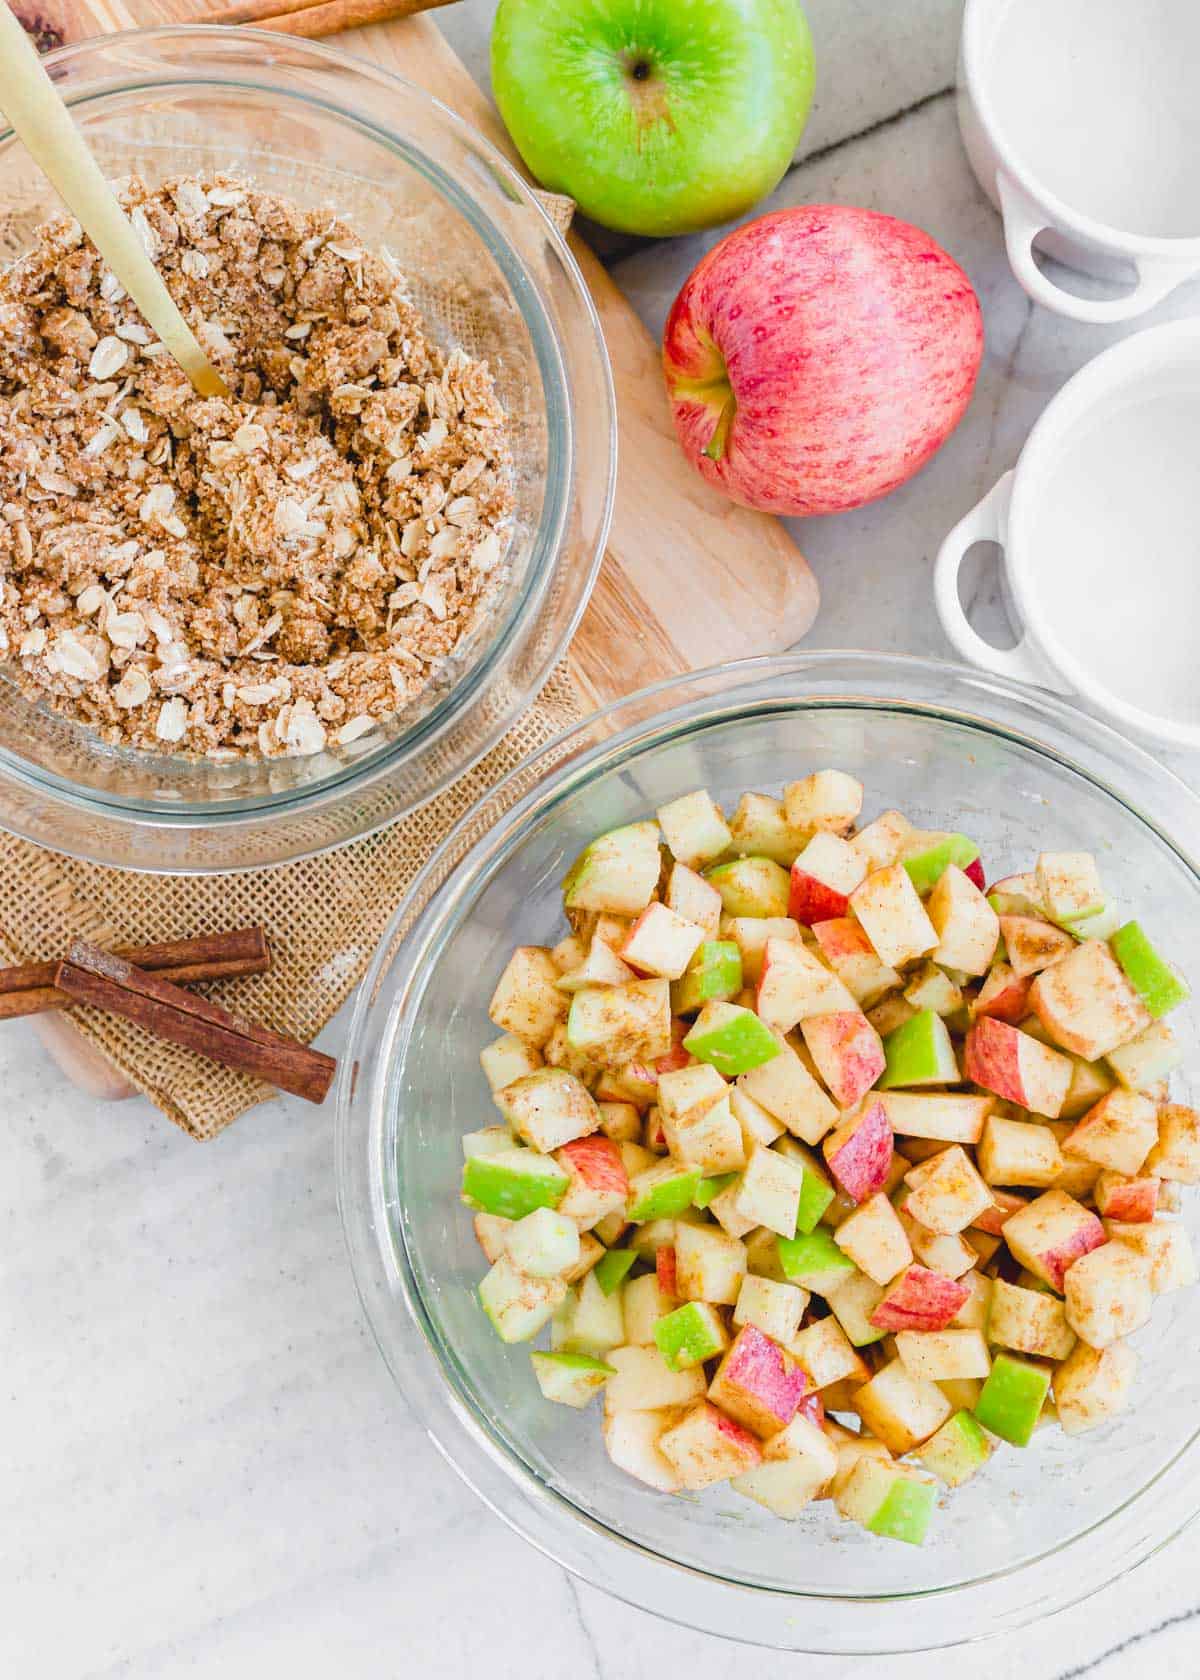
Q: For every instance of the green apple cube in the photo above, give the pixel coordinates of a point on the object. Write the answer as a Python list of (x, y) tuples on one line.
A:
[(1011, 1400), (711, 1188), (1160, 987), (715, 973), (919, 1053), (816, 1193), (957, 1450), (814, 1261), (889, 1499), (588, 1321), (570, 1378), (690, 1335), (934, 854), (611, 1270), (662, 1192), (731, 1039), (616, 874), (519, 1306), (751, 886), (513, 1183)]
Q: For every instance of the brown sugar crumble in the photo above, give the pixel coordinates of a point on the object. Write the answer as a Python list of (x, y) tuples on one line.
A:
[(259, 575)]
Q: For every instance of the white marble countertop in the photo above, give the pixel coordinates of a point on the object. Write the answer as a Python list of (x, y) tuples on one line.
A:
[(206, 1468)]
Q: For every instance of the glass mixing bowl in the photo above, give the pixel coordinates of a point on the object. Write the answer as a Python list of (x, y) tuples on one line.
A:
[(954, 749), (489, 272)]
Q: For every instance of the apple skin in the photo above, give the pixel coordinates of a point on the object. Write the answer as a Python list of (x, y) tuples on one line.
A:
[(656, 117), (810, 900), (847, 1051), (665, 1272), (920, 1300), (819, 356), (758, 1384), (859, 1152), (974, 873), (1004, 995), (597, 1161)]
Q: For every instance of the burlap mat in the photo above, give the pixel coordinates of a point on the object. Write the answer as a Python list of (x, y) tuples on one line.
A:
[(324, 917)]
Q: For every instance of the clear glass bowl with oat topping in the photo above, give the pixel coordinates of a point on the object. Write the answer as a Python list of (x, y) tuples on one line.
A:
[(282, 136)]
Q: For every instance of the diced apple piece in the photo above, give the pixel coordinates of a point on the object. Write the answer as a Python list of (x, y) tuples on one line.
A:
[(1144, 1060), (492, 1140), (1176, 1154), (854, 1302), (507, 1059), (881, 841), (548, 1108), (1118, 1133), (691, 897), (919, 1300), (1049, 1235), (1108, 1294), (826, 801), (967, 927), (758, 1383), (769, 1191), (848, 951), (772, 1307), (601, 966), (848, 1053), (939, 1117), (751, 933), (1093, 1385), (620, 1121), (1004, 995), (816, 1190), (797, 1464), (1032, 944), (527, 1002), (1134, 1200), (1012, 1398), (927, 854), (621, 1024), (1016, 1067), (660, 943), (762, 1256), (514, 1183), (814, 1261), (932, 988), (1089, 1082), (890, 911), (823, 876), (973, 1314), (1086, 1004), (758, 1125), (599, 1180), (826, 1353), (709, 1265), (643, 1304), (951, 1254), (1069, 885), (957, 1450), (618, 873), (946, 1192), (941, 1355), (760, 828), (1029, 1321), (731, 1038), (544, 1244), (919, 1052), (697, 1121), (691, 1334), (890, 1014), (874, 1239), (611, 1267), (900, 1409), (786, 1089), (892, 1500), (631, 1442), (588, 1321), (1019, 1152), (714, 975), (1158, 984), (751, 886), (694, 828), (490, 1231), (662, 1192), (644, 1382), (571, 1379), (705, 1447), (795, 984), (518, 1305), (859, 1151), (1166, 1248), (1004, 1204)]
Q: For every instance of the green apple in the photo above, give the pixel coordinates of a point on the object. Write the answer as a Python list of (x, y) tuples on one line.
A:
[(932, 855), (1152, 977), (513, 1183), (957, 1450), (711, 1188), (611, 1270), (751, 886), (731, 1039), (816, 1192), (1012, 1398), (888, 1499), (814, 1261), (657, 117), (662, 1192), (714, 973), (588, 1321), (919, 1053), (616, 874), (570, 1378), (690, 1335)]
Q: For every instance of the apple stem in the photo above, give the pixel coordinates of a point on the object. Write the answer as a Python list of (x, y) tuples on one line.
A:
[(719, 441)]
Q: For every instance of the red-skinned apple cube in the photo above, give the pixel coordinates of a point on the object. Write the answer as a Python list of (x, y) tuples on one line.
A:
[(794, 984), (1051, 1234), (1086, 1004), (859, 1151), (919, 1300), (899, 1409), (1118, 1133), (709, 1264), (1019, 1152), (827, 1355), (1132, 1200), (874, 1239), (823, 877), (1004, 995), (1033, 944), (967, 927), (1004, 1204), (661, 943), (1176, 1153), (946, 1193), (695, 828), (1015, 1066), (758, 1383), (848, 1053), (599, 1181), (889, 909), (828, 801), (705, 1447), (1092, 1385), (848, 951), (1108, 1294)]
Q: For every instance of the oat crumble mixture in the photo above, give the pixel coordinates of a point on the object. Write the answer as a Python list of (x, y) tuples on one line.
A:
[(261, 575)]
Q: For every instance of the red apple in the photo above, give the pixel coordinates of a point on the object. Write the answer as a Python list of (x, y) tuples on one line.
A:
[(596, 1162), (677, 1057), (758, 1383), (819, 356), (1017, 1067), (1004, 1204), (1004, 995), (859, 1151), (1134, 1201), (664, 1268), (974, 873), (848, 1053), (811, 900), (920, 1300)]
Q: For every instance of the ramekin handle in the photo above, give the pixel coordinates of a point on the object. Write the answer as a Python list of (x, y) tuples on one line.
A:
[(1023, 221), (986, 522)]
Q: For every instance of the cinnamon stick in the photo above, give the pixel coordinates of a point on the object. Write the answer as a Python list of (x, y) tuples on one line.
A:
[(92, 976), (314, 18), (29, 988)]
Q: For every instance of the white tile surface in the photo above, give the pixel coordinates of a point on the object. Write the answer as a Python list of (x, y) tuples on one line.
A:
[(206, 1469)]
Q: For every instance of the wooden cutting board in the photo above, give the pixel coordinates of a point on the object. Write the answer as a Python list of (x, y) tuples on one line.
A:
[(688, 579)]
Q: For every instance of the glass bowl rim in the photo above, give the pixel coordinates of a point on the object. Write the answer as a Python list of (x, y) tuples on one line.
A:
[(274, 812), (631, 1570)]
